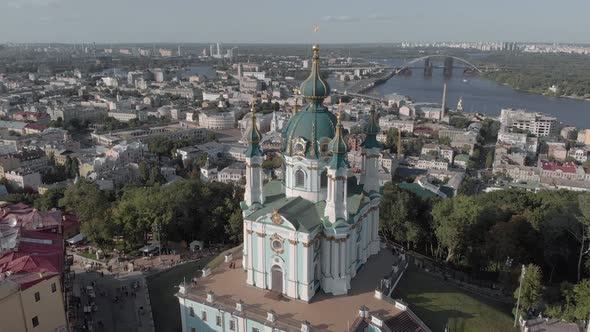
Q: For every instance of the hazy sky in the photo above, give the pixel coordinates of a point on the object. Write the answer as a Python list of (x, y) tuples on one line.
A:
[(282, 21)]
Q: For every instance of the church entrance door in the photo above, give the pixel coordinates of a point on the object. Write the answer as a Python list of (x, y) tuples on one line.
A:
[(277, 279)]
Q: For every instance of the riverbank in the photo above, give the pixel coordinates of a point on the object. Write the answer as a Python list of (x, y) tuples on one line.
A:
[(535, 92)]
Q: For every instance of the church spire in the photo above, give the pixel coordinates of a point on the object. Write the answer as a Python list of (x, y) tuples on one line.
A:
[(253, 135), (371, 152), (315, 88), (338, 146), (371, 131)]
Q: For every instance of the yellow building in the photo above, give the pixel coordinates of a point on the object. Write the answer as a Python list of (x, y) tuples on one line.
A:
[(32, 302)]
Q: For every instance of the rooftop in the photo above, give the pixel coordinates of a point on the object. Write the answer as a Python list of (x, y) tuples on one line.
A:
[(325, 312), (568, 167)]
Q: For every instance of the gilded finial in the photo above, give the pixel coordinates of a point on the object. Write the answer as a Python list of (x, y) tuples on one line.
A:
[(253, 105), (339, 116), (296, 94)]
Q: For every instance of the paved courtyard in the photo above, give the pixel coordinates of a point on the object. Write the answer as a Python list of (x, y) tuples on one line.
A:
[(115, 304)]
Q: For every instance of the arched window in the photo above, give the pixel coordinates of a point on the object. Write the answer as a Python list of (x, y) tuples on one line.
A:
[(324, 179), (299, 178)]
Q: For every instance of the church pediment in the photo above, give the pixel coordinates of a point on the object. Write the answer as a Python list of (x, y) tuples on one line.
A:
[(275, 218)]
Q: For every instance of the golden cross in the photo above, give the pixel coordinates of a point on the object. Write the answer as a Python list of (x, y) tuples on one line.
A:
[(316, 29), (253, 104)]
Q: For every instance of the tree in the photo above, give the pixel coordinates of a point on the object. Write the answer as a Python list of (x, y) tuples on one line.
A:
[(85, 200), (490, 159), (144, 171), (235, 227), (581, 299), (391, 139), (398, 217), (50, 199), (460, 122), (452, 221), (580, 233), (160, 145), (444, 140), (532, 287)]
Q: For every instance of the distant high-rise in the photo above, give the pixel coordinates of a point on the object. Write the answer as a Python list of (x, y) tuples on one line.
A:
[(218, 49), (211, 50)]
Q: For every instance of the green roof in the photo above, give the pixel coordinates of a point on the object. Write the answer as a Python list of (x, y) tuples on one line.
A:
[(462, 157), (303, 214), (416, 189), (313, 124)]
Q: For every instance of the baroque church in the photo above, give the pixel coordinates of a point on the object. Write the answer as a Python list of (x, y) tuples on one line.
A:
[(316, 228)]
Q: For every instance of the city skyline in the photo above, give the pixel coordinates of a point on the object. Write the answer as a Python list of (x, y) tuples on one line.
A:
[(29, 21)]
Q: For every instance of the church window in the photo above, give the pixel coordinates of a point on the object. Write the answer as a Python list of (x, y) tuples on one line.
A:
[(324, 179), (218, 320), (204, 316), (299, 148), (277, 245), (192, 312), (232, 325), (255, 329), (299, 178)]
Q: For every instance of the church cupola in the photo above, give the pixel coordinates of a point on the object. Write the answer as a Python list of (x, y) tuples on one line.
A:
[(254, 192), (337, 146), (315, 88)]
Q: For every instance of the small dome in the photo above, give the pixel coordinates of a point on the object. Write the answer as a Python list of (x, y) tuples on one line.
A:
[(315, 87)]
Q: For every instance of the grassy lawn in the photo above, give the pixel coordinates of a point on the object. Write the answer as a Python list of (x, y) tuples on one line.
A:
[(162, 287), (437, 303)]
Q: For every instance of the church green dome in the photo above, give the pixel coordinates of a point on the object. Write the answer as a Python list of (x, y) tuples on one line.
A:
[(337, 147), (310, 130), (315, 87)]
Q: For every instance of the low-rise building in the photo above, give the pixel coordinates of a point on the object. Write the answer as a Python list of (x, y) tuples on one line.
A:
[(233, 173), (439, 150), (581, 154), (390, 121), (24, 178), (217, 120)]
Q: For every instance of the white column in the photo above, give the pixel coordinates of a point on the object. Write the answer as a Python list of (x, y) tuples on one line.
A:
[(241, 324), (342, 250), (292, 288), (335, 259), (326, 249), (261, 274), (250, 258), (307, 272)]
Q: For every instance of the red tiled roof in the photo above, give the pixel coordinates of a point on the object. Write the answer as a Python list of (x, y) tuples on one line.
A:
[(38, 254), (568, 167), (36, 126)]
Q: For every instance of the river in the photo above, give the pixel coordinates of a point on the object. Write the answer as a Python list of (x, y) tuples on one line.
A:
[(480, 95)]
